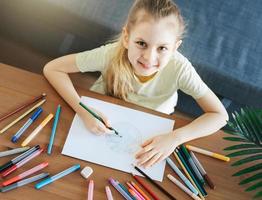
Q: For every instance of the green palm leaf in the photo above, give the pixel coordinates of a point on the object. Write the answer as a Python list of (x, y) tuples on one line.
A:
[(253, 187), (244, 152), (246, 129), (247, 160), (249, 169), (258, 194), (240, 146), (251, 178), (235, 139)]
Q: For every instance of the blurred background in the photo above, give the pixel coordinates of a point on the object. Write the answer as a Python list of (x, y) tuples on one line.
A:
[(223, 41)]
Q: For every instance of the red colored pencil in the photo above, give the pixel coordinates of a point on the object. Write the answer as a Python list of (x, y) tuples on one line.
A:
[(146, 187), (28, 103), (25, 174), (22, 162)]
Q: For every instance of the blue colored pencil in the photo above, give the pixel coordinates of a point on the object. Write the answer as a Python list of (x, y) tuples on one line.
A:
[(51, 141), (27, 124)]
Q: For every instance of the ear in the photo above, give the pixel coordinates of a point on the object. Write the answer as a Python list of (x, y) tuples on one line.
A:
[(177, 45), (125, 37)]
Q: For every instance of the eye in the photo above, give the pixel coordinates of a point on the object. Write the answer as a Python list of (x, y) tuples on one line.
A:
[(162, 48), (141, 44)]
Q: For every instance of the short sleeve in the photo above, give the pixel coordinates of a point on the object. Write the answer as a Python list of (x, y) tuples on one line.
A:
[(95, 59), (190, 82)]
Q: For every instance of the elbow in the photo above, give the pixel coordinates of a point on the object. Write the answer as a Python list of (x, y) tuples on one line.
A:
[(224, 117)]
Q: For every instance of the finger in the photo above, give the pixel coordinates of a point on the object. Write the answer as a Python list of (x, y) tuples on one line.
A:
[(146, 157), (96, 131), (152, 161), (163, 157), (104, 118), (147, 142), (144, 150)]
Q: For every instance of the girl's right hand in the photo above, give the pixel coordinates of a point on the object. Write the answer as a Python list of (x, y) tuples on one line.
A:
[(93, 124)]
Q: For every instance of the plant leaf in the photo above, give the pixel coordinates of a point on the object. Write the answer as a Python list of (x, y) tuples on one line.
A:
[(258, 194), (236, 139), (244, 152), (249, 169), (240, 146), (250, 121), (248, 159), (231, 132), (258, 124), (251, 178), (254, 187)]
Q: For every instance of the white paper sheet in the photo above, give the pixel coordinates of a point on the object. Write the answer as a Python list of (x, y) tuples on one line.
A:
[(111, 150)]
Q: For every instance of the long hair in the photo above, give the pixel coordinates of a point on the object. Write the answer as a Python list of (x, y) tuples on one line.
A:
[(119, 74)]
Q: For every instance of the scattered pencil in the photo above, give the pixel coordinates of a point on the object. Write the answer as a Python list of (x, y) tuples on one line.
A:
[(208, 153), (28, 103)]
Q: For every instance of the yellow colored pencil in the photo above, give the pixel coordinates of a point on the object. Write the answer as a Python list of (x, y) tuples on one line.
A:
[(187, 174), (37, 130), (208, 153), (22, 116)]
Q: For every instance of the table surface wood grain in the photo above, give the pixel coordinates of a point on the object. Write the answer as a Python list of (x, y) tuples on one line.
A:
[(18, 86)]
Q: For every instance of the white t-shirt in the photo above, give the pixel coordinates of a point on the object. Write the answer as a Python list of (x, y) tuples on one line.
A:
[(159, 93)]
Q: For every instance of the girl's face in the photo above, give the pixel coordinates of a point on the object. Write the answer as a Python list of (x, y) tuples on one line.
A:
[(150, 44)]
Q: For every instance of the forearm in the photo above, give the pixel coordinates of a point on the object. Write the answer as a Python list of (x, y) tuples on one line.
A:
[(63, 85), (204, 125)]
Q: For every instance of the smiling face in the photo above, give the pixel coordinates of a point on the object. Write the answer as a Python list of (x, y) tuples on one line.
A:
[(151, 43)]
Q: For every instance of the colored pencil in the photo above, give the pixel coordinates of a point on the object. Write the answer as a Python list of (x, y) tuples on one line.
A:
[(109, 193), (22, 116), (13, 151), (134, 194), (182, 187), (25, 174), (22, 162), (24, 105), (18, 158), (156, 184), (208, 153), (140, 191), (55, 177), (52, 136), (24, 182), (187, 174), (188, 168), (202, 171), (192, 164), (37, 130), (134, 189), (145, 187), (119, 189), (27, 124), (181, 175), (99, 118), (90, 190)]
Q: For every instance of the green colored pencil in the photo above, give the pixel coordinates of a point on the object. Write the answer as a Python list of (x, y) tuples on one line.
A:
[(98, 117), (200, 187)]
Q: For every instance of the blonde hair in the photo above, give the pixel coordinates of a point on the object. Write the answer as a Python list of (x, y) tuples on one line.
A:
[(119, 74)]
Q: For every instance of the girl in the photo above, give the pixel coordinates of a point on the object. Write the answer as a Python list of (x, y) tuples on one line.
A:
[(144, 67)]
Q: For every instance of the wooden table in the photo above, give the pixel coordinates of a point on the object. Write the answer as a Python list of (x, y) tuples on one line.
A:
[(18, 86)]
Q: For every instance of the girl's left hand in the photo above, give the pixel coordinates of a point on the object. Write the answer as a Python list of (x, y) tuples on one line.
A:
[(156, 149)]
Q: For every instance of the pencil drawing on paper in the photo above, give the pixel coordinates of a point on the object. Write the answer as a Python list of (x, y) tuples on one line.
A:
[(129, 142)]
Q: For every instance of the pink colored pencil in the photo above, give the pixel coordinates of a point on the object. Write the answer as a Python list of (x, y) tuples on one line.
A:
[(90, 190), (108, 193), (22, 162), (134, 194), (134, 189), (25, 174)]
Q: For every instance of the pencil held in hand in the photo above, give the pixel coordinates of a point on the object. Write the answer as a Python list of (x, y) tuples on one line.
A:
[(99, 118)]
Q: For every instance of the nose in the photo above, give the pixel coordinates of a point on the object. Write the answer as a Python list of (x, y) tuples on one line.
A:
[(150, 56)]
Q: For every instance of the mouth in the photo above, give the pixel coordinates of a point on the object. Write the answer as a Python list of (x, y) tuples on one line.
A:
[(145, 66)]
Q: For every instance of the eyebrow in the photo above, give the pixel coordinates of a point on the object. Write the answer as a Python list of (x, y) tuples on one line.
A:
[(163, 44)]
